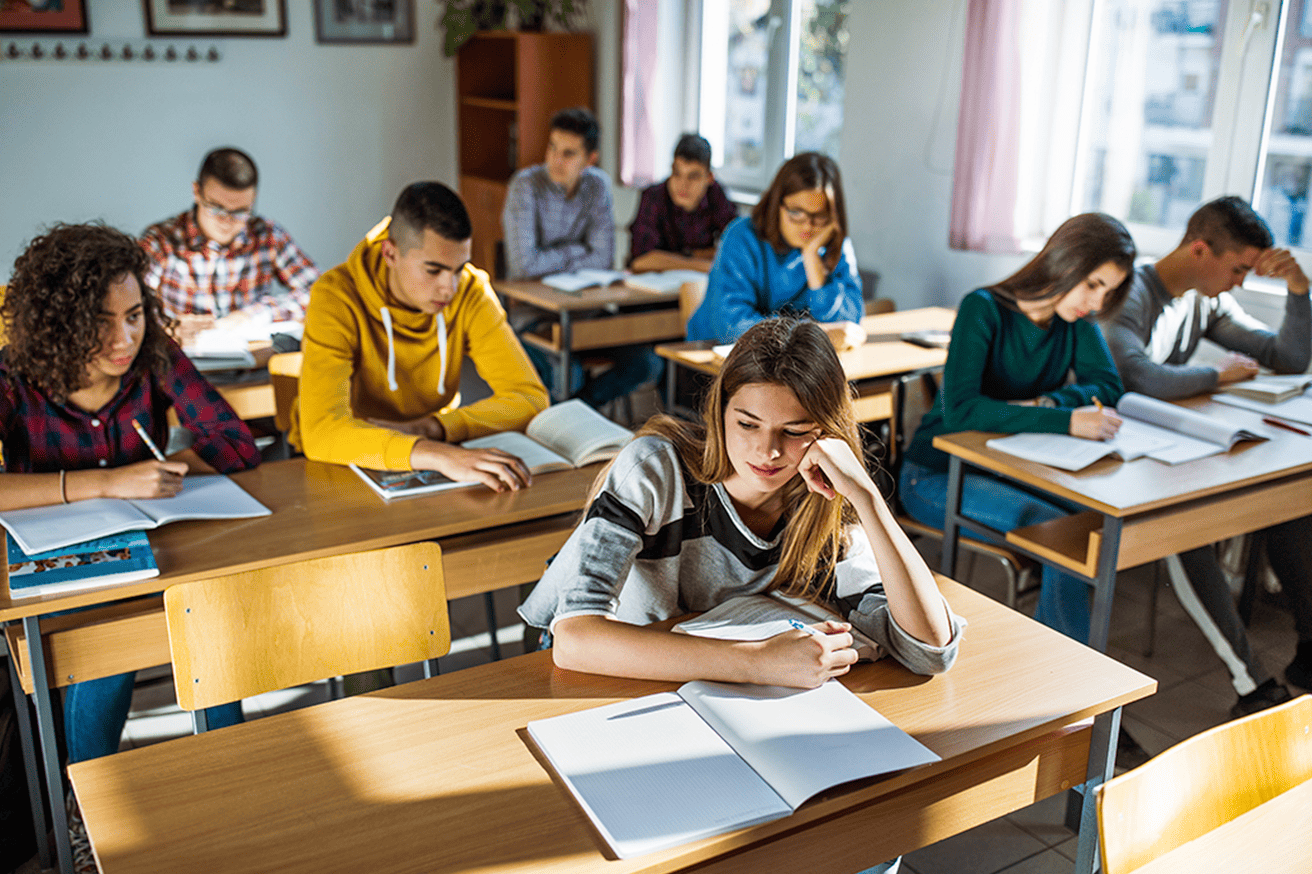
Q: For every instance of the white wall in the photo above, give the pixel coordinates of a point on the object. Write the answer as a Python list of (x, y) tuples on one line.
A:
[(337, 130)]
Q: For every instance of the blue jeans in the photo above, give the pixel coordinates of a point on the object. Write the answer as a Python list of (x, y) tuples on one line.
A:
[(96, 710), (1063, 599), (631, 366)]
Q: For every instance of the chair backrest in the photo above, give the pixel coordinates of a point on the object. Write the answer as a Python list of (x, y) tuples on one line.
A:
[(913, 395), (691, 295), (285, 374), (1203, 783), (240, 635)]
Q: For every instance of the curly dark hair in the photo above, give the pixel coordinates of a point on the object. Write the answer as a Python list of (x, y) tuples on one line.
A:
[(51, 310)]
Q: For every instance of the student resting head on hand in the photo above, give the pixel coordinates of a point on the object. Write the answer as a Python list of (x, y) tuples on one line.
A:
[(770, 494), (792, 255), (1012, 346)]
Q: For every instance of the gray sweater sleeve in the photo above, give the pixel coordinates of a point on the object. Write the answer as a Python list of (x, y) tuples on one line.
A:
[(1287, 351), (864, 603), (1127, 337)]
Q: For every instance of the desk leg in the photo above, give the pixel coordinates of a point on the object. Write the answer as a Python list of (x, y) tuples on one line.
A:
[(1104, 585), (45, 724), (948, 563), (566, 340), (671, 384), (30, 765), (1102, 759)]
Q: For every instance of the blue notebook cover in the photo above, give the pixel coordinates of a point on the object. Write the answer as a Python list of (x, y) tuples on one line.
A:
[(119, 558)]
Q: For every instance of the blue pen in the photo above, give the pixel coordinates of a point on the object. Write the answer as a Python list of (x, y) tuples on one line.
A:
[(800, 627)]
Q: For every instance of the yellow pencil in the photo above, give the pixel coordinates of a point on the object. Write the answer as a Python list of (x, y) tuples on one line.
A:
[(150, 444), (1097, 403)]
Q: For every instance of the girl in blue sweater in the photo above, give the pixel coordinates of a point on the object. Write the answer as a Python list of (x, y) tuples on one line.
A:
[(791, 255)]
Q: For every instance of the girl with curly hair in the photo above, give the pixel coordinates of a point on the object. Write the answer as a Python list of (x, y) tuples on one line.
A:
[(770, 494), (88, 353)]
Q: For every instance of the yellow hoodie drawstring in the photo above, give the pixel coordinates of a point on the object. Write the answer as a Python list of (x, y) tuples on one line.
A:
[(391, 350)]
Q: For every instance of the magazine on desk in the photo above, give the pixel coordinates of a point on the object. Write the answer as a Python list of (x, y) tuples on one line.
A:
[(105, 561), (564, 436), (666, 769), (1160, 430), (40, 529)]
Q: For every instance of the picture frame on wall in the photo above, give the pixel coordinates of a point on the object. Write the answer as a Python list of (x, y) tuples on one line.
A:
[(364, 21), (207, 18), (43, 16)]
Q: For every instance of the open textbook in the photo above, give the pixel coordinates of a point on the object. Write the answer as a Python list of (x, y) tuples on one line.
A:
[(666, 769), (566, 435), (1283, 396), (757, 617), (1157, 429), (41, 529), (664, 280), (583, 278)]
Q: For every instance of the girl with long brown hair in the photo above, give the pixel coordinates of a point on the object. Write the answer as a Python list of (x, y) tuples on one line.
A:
[(769, 494)]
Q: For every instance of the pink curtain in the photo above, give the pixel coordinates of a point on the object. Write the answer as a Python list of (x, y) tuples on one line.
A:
[(637, 136), (988, 130)]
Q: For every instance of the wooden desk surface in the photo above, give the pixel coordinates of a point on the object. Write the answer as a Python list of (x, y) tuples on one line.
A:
[(886, 356), (551, 299), (320, 509), (434, 776), (1122, 489)]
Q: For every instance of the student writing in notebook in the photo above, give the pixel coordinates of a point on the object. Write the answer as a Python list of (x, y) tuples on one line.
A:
[(791, 255), (88, 354), (1172, 306), (770, 494), (1013, 345), (386, 335)]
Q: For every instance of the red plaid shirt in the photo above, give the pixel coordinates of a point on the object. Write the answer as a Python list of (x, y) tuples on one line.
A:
[(260, 271), (41, 436)]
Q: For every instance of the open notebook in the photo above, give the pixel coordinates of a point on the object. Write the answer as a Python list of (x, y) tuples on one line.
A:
[(666, 769)]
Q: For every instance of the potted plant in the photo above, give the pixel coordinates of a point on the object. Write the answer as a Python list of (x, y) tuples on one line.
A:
[(463, 18)]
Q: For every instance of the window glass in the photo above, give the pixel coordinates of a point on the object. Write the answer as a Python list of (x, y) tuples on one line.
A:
[(1287, 165), (822, 46), (747, 89)]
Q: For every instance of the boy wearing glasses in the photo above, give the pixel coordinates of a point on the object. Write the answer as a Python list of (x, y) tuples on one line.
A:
[(219, 264)]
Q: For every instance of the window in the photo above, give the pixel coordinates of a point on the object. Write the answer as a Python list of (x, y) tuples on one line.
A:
[(1186, 100), (771, 83)]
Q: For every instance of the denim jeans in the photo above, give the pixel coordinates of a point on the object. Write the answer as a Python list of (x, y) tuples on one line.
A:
[(1063, 599), (96, 710), (631, 366)]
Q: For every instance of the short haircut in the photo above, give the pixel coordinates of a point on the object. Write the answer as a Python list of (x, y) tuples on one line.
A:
[(428, 206), (695, 148), (231, 168), (578, 120), (1228, 224)]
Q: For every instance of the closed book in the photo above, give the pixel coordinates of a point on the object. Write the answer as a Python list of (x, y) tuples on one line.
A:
[(105, 561)]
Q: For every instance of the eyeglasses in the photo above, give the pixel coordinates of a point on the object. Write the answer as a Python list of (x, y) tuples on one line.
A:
[(233, 215), (802, 217)]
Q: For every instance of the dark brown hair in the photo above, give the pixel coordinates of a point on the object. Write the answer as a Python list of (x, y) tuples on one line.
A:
[(52, 308), (797, 355), (1228, 224), (231, 168), (1078, 247), (806, 171)]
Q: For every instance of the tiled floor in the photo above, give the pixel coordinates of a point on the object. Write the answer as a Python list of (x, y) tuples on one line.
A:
[(1194, 694)]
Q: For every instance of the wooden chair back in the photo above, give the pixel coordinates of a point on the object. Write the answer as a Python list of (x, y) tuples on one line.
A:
[(285, 375), (691, 295), (1203, 783), (240, 635)]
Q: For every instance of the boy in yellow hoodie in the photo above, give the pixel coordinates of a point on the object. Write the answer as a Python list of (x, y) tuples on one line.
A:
[(385, 336)]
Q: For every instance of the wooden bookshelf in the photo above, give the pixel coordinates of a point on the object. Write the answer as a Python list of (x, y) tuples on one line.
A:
[(508, 85)]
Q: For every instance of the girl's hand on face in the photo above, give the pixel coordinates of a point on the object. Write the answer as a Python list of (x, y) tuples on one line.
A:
[(146, 479), (1095, 423), (803, 659), (818, 240), (830, 468)]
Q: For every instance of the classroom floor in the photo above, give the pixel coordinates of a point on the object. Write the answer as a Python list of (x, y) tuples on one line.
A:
[(1194, 694)]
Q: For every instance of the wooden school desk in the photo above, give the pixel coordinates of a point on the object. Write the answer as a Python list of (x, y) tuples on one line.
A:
[(436, 775), (883, 355), (318, 509), (568, 335), (1142, 510)]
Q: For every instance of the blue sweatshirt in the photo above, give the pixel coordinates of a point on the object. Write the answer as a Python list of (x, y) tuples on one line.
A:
[(750, 281)]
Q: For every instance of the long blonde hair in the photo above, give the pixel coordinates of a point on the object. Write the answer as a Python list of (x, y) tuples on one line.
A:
[(798, 356)]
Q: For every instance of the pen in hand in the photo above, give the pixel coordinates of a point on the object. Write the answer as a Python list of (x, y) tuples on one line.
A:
[(150, 444), (803, 627)]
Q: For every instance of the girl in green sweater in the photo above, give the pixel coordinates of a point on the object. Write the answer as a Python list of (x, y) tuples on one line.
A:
[(1013, 345)]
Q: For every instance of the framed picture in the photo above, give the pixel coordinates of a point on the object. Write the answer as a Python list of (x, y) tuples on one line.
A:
[(43, 16), (356, 21), (211, 18)]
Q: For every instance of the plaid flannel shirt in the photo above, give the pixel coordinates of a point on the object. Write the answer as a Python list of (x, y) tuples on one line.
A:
[(42, 436), (260, 272), (661, 224)]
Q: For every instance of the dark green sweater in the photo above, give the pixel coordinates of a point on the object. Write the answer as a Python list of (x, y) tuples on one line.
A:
[(998, 355)]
